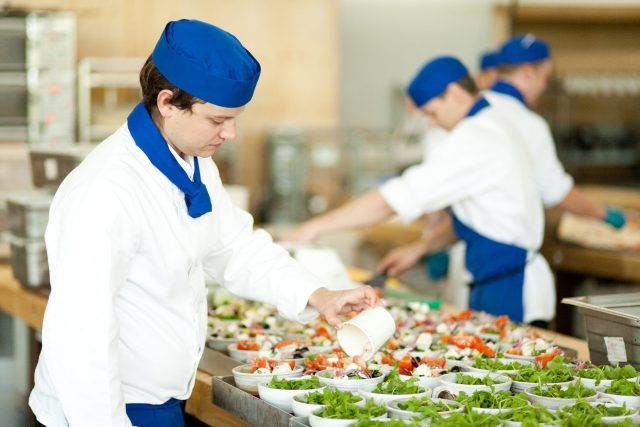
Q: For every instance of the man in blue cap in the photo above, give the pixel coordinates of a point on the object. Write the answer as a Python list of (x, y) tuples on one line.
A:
[(489, 62), (132, 232), (525, 68), (483, 173)]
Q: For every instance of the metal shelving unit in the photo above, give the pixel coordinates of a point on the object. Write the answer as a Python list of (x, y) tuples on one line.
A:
[(110, 75), (37, 76)]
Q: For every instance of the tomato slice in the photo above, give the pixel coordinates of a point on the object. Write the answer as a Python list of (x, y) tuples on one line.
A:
[(433, 362), (248, 345), (323, 332), (285, 343), (547, 357), (405, 367)]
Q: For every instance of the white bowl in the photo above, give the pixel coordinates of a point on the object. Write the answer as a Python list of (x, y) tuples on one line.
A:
[(429, 382), (588, 382), (617, 419), (631, 401), (249, 382), (303, 409), (220, 344), (492, 411), (244, 356), (450, 363), (554, 402), (449, 383), (382, 399), (367, 384), (283, 398), (316, 421), (521, 386), (395, 412)]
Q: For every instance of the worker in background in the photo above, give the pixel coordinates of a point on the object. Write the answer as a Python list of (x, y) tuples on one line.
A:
[(449, 261), (132, 232), (489, 63), (484, 174), (525, 67)]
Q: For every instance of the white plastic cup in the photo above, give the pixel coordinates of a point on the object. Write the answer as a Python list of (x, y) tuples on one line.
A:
[(366, 333)]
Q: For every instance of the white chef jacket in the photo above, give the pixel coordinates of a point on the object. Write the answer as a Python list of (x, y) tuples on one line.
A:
[(488, 181), (552, 181), (126, 320)]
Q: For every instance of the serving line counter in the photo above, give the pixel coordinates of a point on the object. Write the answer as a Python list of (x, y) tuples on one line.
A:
[(29, 305)]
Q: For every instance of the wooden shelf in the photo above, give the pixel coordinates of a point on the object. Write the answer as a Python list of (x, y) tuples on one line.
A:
[(573, 14)]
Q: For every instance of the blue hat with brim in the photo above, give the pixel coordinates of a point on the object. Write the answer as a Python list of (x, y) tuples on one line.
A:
[(489, 60), (207, 62), (524, 49), (434, 77)]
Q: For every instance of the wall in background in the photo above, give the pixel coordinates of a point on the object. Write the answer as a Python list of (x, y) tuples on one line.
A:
[(386, 41), (296, 42)]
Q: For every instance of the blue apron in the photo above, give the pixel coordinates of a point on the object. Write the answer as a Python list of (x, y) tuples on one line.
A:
[(497, 268), (168, 414), (498, 273)]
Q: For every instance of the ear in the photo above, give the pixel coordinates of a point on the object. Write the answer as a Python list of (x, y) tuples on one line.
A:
[(456, 91), (163, 102)]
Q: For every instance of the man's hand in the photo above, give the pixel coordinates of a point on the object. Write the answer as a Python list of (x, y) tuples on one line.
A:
[(332, 303), (403, 258)]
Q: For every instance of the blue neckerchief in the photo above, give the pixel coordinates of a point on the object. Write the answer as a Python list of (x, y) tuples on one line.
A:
[(508, 89), (479, 105), (148, 138)]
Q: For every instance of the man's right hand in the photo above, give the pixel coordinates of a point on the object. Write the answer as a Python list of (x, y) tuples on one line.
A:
[(401, 259)]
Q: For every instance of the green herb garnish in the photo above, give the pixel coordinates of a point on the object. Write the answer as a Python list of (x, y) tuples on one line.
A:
[(349, 411), (531, 416), (607, 372), (394, 385), (470, 419), (495, 364), (426, 407), (573, 391), (329, 397), (557, 371), (386, 423), (471, 380), (492, 399), (584, 408), (624, 388), (294, 384)]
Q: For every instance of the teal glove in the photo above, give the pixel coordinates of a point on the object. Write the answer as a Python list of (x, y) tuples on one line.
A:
[(615, 217)]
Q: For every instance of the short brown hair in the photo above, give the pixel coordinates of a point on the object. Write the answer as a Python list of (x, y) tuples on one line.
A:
[(468, 84), (153, 82)]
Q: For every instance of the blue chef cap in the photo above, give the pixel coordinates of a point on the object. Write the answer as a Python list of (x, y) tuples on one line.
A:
[(207, 62), (434, 77), (524, 48), (489, 60)]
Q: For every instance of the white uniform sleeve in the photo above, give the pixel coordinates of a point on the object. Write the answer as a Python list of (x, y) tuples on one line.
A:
[(89, 247), (554, 183), (462, 166), (250, 265)]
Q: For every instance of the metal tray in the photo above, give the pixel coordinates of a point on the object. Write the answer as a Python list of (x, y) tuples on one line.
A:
[(28, 260), (248, 407), (616, 315), (28, 213)]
